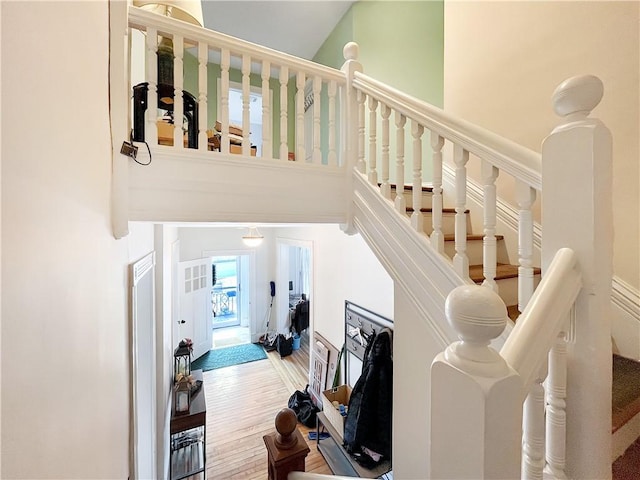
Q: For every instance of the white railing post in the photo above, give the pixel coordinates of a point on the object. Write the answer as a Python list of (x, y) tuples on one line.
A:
[(577, 213), (476, 398), (350, 126)]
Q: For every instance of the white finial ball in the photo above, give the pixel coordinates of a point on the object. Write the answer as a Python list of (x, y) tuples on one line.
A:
[(477, 313), (350, 51), (579, 94)]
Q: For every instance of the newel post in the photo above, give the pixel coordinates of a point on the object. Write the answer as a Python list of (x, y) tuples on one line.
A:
[(476, 398), (577, 213), (349, 114)]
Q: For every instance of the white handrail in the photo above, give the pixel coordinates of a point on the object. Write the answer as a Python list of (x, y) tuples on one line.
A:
[(545, 316), (315, 476), (520, 162), (141, 19)]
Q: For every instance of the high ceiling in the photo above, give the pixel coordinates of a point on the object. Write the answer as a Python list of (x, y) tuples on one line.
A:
[(298, 27)]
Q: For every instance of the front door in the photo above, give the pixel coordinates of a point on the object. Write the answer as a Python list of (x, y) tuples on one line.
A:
[(194, 282)]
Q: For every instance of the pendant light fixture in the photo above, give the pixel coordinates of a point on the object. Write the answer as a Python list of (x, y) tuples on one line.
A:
[(253, 238)]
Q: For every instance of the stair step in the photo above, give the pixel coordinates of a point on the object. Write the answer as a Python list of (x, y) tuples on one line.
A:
[(448, 220), (625, 402), (427, 195), (512, 312), (475, 248), (625, 417)]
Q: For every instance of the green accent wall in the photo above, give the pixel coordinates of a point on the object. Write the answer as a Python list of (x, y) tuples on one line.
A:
[(401, 44)]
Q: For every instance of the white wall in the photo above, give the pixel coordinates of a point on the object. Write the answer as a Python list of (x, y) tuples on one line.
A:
[(65, 350), (503, 61), (344, 269)]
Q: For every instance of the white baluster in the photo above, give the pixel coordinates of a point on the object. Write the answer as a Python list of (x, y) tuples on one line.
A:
[(332, 158), (362, 166), (203, 53), (476, 410), (373, 124), (151, 132), (385, 187), (489, 242), (178, 85), (525, 196), (225, 63), (533, 433), (246, 101), (317, 89), (301, 153), (400, 201), (417, 221), (267, 121), (284, 80), (460, 259), (437, 237), (556, 409)]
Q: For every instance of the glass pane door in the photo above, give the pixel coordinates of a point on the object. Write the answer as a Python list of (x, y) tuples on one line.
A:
[(225, 292)]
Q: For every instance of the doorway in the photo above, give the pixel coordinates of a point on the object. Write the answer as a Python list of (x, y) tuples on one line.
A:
[(226, 293), (295, 274)]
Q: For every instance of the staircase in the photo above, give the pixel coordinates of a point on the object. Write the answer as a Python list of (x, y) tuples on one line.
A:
[(430, 250)]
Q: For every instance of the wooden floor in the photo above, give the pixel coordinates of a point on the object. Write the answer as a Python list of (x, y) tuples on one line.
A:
[(242, 402)]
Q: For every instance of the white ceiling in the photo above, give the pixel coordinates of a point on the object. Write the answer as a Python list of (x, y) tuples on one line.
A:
[(297, 27)]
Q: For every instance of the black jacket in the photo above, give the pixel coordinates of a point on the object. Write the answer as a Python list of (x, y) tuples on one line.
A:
[(368, 422)]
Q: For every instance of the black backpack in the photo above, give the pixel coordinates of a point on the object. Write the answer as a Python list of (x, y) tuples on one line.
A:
[(306, 411)]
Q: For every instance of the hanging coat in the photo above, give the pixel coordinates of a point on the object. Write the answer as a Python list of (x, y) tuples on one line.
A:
[(368, 422)]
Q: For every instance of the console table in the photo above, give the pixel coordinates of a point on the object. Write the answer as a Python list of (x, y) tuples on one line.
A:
[(188, 437)]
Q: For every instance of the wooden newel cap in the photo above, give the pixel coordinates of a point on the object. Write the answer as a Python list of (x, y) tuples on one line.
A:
[(286, 423)]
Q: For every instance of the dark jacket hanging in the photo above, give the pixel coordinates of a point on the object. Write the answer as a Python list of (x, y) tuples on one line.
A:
[(368, 422)]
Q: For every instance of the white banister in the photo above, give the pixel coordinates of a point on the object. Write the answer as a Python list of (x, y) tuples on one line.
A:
[(525, 196), (510, 157), (315, 476), (533, 433), (178, 87), (361, 165), (301, 153), (225, 64), (267, 139), (544, 317), (203, 140), (332, 158), (152, 92), (417, 220), (556, 419), (489, 242), (437, 236), (317, 89), (373, 172), (476, 420), (578, 153), (400, 202), (284, 81), (460, 259), (385, 186), (246, 102)]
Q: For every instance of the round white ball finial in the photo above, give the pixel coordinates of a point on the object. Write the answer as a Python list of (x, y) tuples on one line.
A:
[(350, 51), (578, 95), (477, 313)]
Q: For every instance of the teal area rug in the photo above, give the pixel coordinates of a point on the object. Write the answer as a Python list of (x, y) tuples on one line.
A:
[(225, 357)]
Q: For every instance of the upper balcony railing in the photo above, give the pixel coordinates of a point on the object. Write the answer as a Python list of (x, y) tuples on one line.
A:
[(299, 111)]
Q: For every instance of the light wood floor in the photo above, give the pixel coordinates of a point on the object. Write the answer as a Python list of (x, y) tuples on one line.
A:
[(242, 402)]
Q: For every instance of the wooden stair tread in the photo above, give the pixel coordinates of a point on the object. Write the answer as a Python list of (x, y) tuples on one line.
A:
[(410, 187), (450, 237), (430, 210), (512, 312), (503, 271), (625, 394)]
